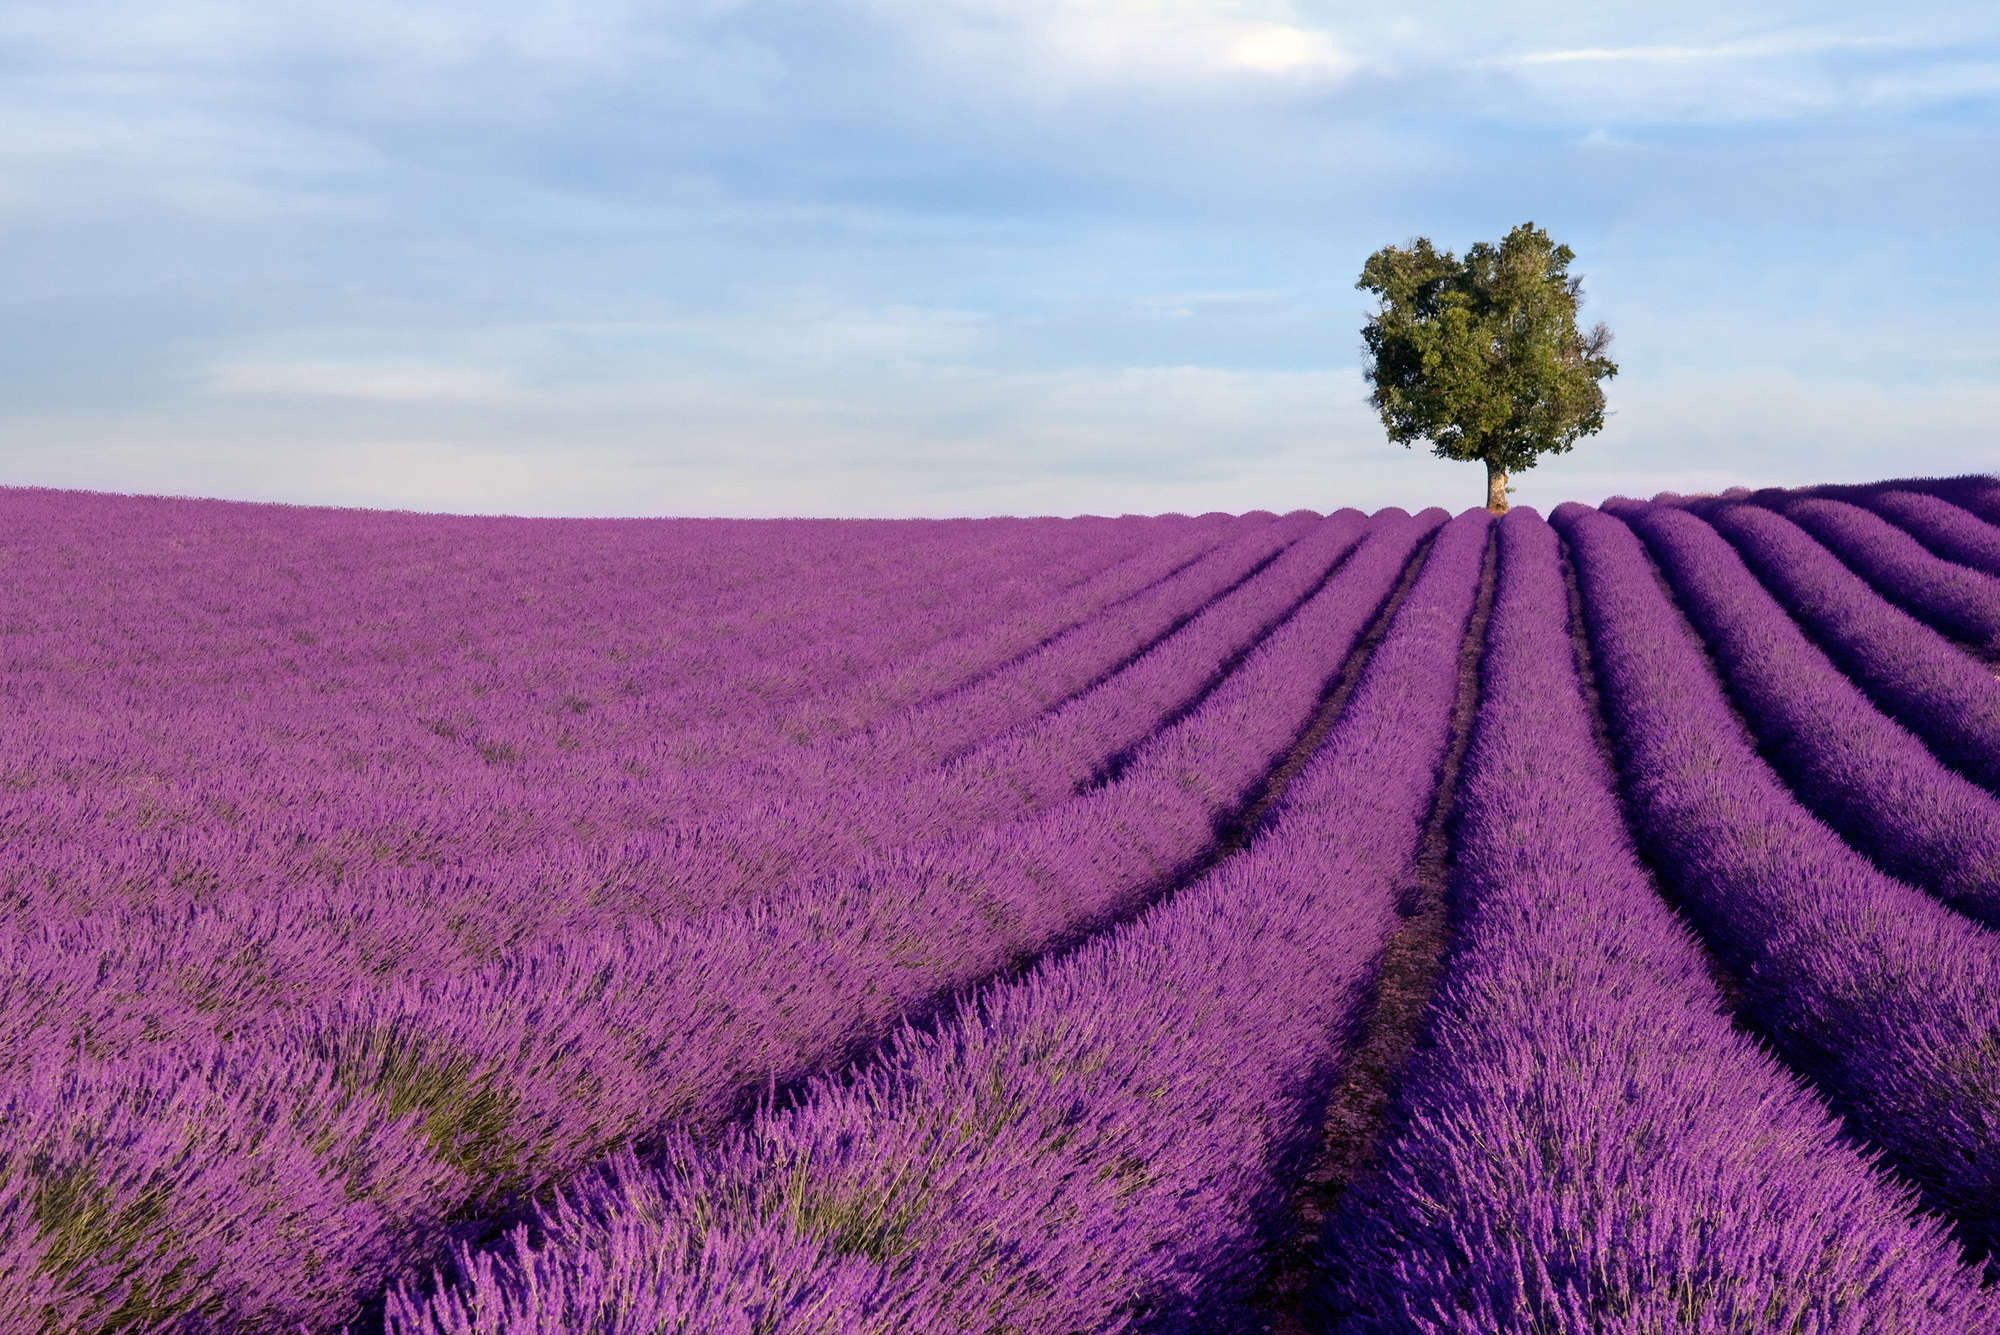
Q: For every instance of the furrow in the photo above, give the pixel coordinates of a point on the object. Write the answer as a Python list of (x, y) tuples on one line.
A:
[(1951, 532), (1727, 985), (1914, 674), (1352, 1118), (1150, 584), (1110, 767), (1959, 601), (1071, 666)]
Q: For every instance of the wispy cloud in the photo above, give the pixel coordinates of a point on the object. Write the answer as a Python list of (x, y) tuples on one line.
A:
[(1283, 49), (1782, 74), (1601, 138), (1802, 42)]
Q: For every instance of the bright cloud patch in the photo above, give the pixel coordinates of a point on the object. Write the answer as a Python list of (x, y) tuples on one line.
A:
[(1281, 49), (1124, 41)]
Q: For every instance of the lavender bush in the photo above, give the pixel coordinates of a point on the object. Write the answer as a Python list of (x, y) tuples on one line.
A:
[(1951, 532), (1959, 601), (1915, 675), (1096, 1147), (1855, 769), (1880, 995), (1583, 1142)]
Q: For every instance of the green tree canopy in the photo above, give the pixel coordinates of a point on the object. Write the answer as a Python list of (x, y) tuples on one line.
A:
[(1481, 357)]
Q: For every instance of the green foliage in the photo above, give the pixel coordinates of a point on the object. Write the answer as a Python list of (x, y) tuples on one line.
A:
[(467, 1114), (1481, 357), (85, 1232)]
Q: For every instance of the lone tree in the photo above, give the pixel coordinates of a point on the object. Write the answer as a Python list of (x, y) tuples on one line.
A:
[(1481, 356)]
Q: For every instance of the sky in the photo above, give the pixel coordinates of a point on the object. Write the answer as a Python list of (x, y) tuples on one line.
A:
[(943, 257)]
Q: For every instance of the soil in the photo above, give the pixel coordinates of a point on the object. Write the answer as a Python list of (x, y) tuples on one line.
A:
[(1358, 1106)]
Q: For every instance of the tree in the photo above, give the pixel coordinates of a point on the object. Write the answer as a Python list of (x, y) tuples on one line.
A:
[(1482, 357)]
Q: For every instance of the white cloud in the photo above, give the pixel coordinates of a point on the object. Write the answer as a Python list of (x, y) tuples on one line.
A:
[(884, 440), (1086, 42), (1794, 43), (104, 145), (861, 435), (1764, 426), (773, 313), (1781, 74), (1283, 49)]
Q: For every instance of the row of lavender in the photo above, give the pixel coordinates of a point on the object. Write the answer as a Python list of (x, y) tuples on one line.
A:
[(1103, 1143), (1875, 782), (386, 1099), (1881, 995), (231, 795), (752, 1231), (491, 697), (1584, 1142)]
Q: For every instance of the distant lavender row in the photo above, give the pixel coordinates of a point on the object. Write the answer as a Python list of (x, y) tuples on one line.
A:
[(1977, 494), (1072, 664), (794, 813), (1581, 1132), (1064, 750), (1855, 769), (1103, 1143), (793, 835), (1953, 533), (229, 753), (1883, 997), (1919, 678), (1959, 601), (896, 650), (997, 642), (184, 663), (390, 1098), (410, 942)]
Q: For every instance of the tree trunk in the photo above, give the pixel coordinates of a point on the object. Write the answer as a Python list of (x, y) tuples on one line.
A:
[(1496, 489)]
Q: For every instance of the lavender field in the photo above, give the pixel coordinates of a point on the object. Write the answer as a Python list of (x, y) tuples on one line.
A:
[(1351, 923)]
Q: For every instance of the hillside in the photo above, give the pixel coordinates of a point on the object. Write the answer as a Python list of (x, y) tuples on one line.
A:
[(1355, 922)]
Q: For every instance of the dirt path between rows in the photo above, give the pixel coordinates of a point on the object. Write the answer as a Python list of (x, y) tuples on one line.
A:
[(1351, 1126)]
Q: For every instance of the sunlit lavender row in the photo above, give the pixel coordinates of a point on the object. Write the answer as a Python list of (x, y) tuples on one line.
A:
[(416, 923)]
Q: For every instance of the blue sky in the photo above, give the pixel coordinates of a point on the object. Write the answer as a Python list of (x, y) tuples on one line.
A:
[(890, 257)]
